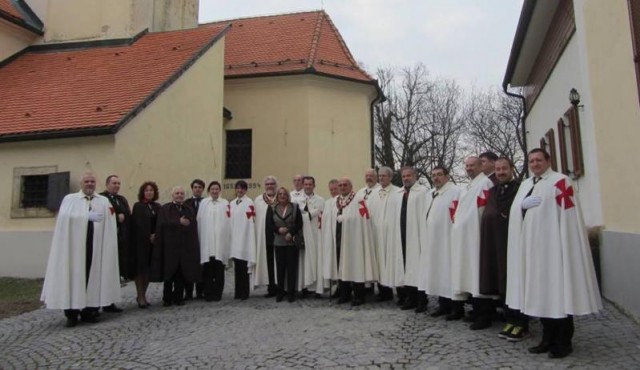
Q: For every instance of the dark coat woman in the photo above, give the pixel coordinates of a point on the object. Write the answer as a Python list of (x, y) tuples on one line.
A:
[(283, 224), (143, 228)]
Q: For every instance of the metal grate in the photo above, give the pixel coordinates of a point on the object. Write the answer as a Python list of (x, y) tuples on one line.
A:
[(238, 158), (34, 191)]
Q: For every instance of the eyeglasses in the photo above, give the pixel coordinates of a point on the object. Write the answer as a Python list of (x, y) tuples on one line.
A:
[(270, 184)]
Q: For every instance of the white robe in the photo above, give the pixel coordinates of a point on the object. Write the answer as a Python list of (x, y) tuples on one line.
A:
[(549, 264), (435, 242), (243, 233), (214, 226), (357, 255), (377, 204), (327, 241), (308, 273), (465, 238), (400, 273), (261, 276), (65, 285)]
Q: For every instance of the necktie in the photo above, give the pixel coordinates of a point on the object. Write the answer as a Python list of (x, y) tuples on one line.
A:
[(435, 194), (238, 201), (89, 198)]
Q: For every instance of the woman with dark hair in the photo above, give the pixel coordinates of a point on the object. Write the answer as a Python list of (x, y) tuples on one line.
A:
[(143, 228), (283, 222)]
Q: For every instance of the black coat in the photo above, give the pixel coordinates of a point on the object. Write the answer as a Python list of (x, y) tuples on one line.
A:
[(494, 229), (121, 206), (143, 224), (176, 246)]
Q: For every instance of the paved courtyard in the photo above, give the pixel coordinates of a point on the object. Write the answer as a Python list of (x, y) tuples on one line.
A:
[(311, 333)]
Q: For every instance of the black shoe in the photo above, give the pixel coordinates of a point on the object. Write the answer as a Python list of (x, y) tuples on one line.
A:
[(440, 311), (480, 323), (454, 316), (217, 298), (383, 298), (343, 300), (179, 303), (471, 317), (401, 301), (141, 305), (112, 308), (270, 295), (291, 298), (71, 322), (408, 306), (543, 347), (559, 352), (279, 298), (317, 296), (357, 302), (89, 318), (304, 293), (335, 294)]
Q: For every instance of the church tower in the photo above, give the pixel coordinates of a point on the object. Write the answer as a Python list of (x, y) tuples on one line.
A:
[(92, 20)]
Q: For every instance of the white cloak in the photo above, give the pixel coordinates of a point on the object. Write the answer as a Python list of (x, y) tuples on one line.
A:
[(65, 285), (261, 276), (377, 204), (214, 228), (243, 234), (549, 265), (435, 242), (398, 272), (465, 238), (326, 238), (308, 272)]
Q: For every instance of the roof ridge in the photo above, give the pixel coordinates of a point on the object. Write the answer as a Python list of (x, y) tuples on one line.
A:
[(344, 46), (316, 39), (262, 16)]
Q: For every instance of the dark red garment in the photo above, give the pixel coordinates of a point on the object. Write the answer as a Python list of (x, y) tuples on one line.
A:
[(176, 246), (494, 229)]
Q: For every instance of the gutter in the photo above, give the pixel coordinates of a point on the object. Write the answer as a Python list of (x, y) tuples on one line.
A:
[(524, 124)]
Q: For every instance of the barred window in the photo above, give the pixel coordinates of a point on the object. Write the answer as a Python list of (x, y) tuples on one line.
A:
[(238, 154), (34, 191), (38, 191)]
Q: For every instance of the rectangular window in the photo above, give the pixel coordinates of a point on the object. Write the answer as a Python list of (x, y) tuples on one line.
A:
[(238, 154), (34, 191), (38, 191), (548, 143)]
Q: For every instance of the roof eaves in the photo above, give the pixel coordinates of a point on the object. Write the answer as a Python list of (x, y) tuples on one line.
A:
[(521, 32), (29, 20), (56, 134), (175, 76), (63, 46)]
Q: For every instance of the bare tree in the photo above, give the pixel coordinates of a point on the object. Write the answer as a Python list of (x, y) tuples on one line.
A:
[(494, 122)]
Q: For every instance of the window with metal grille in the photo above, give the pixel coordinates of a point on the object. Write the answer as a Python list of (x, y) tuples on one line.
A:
[(238, 158), (34, 191)]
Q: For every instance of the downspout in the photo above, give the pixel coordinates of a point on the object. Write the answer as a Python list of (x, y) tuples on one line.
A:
[(524, 123), (378, 99)]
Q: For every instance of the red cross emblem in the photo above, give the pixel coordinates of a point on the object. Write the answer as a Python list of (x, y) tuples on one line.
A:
[(452, 209), (228, 210), (113, 210), (251, 212), (364, 212), (483, 198), (564, 198)]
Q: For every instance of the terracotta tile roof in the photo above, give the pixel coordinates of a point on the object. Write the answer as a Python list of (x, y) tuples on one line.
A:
[(93, 87), (288, 43), (19, 13)]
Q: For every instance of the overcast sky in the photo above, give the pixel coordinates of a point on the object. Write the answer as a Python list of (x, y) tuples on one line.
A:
[(467, 40)]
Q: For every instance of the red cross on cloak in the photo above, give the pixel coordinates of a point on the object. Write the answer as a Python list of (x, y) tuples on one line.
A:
[(113, 210), (228, 211), (364, 212), (452, 209), (251, 212), (483, 198), (564, 198)]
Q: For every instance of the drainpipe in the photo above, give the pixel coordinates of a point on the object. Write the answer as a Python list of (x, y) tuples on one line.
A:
[(524, 125)]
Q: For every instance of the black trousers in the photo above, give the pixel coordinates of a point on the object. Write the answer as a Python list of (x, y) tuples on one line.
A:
[(558, 332), (213, 279), (241, 271), (271, 271), (173, 288), (73, 313), (287, 266)]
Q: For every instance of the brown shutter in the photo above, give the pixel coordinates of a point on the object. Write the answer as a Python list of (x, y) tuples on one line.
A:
[(57, 188), (634, 20), (564, 162), (551, 141), (576, 141)]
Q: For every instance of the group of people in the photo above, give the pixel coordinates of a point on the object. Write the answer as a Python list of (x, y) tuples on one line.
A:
[(494, 243)]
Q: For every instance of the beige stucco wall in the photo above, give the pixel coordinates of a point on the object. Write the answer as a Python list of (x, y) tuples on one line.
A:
[(13, 39), (301, 125), (179, 136), (613, 96)]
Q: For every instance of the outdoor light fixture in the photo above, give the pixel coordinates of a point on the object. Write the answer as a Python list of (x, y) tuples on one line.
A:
[(574, 97)]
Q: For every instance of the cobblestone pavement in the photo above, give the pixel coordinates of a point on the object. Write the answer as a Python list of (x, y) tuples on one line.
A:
[(310, 333)]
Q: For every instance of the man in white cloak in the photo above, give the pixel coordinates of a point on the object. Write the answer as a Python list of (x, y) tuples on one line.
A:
[(465, 246), (354, 254), (377, 204), (435, 242), (265, 254), (327, 266), (82, 272), (308, 274), (214, 234), (242, 212), (406, 222), (549, 265)]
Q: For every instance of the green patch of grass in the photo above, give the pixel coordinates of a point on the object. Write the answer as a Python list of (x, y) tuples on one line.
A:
[(19, 296)]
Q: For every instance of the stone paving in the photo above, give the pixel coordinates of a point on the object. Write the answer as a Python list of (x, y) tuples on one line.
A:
[(310, 333)]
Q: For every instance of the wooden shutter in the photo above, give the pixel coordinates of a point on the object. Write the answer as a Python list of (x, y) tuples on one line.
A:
[(57, 188), (573, 120), (562, 138), (634, 21), (551, 141)]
